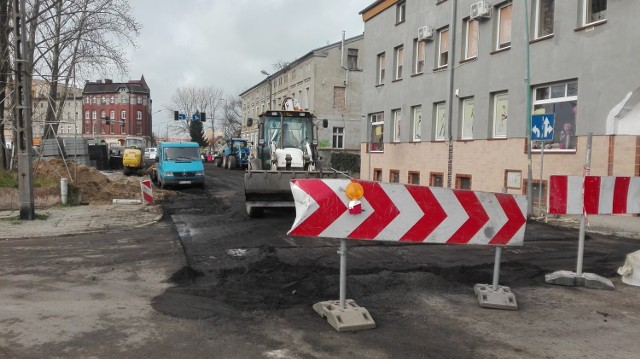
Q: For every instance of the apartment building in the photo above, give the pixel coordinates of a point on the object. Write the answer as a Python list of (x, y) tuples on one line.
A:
[(127, 105), (449, 102), (69, 121), (326, 81)]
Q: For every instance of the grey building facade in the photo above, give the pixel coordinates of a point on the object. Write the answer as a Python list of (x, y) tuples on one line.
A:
[(326, 81), (583, 64)]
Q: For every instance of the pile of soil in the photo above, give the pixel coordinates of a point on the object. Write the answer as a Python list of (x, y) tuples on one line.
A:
[(95, 187)]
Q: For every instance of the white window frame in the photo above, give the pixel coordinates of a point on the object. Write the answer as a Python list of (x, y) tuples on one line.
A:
[(467, 49), (552, 98), (87, 115), (94, 115), (398, 62), (441, 45), (376, 121), (380, 69), (112, 115), (419, 56), (539, 17), (500, 114), (440, 130), (401, 12), (500, 30), (588, 15), (416, 123), (123, 115), (139, 115), (468, 114), (396, 116), (338, 137)]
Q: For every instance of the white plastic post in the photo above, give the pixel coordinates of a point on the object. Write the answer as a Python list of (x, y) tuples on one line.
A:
[(343, 272), (64, 190)]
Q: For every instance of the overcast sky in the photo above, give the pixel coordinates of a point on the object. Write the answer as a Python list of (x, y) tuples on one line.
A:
[(226, 43)]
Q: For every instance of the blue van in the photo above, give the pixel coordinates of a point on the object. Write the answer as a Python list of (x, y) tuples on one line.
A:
[(178, 163)]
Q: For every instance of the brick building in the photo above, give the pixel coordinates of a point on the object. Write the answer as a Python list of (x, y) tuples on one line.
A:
[(126, 105)]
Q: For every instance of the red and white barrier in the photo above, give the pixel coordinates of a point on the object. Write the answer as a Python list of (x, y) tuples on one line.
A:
[(594, 195), (397, 212), (147, 192)]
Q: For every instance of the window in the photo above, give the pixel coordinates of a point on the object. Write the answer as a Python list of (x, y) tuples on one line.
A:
[(103, 99), (86, 115), (401, 12), (138, 130), (594, 11), (418, 56), (443, 48), (352, 59), (103, 114), (504, 27), (112, 114), (377, 132), (471, 40), (399, 59), (338, 137), (305, 99), (123, 115), (139, 115), (416, 118), (396, 115), (468, 109), (463, 181), (123, 99), (500, 114), (86, 100), (93, 99), (414, 177), (436, 179), (339, 98), (440, 122), (560, 99), (112, 99), (139, 100), (394, 176), (377, 174), (380, 69), (94, 115), (544, 15)]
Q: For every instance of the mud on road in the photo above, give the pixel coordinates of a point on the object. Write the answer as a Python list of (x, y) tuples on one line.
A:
[(209, 282)]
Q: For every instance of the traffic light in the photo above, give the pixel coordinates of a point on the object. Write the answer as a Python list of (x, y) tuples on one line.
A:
[(176, 114), (107, 120), (203, 117)]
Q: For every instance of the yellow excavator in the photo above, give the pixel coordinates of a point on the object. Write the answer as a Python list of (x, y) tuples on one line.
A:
[(132, 159)]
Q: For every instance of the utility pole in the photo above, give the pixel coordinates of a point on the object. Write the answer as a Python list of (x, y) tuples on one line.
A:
[(22, 111)]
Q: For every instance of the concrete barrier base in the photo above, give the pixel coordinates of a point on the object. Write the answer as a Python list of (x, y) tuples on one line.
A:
[(350, 318), (587, 280), (499, 298)]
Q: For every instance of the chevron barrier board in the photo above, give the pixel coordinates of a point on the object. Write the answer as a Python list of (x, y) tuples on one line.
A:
[(594, 195), (408, 213)]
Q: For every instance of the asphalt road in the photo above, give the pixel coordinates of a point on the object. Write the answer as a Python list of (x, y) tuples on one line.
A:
[(207, 281)]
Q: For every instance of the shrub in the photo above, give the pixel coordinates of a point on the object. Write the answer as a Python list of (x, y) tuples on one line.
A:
[(346, 162)]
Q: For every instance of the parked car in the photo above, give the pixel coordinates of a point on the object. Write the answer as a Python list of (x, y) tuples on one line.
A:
[(150, 153)]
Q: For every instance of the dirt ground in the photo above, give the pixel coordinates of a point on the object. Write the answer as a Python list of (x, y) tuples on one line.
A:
[(96, 187)]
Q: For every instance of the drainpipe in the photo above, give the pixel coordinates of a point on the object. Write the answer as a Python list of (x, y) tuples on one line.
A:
[(527, 81), (452, 51)]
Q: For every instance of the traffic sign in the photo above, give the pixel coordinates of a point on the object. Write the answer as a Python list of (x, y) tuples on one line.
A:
[(542, 127), (182, 116), (407, 213), (195, 117)]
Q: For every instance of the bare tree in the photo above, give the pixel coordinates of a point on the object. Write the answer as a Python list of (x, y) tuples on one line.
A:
[(75, 38), (232, 119), (4, 69), (191, 100)]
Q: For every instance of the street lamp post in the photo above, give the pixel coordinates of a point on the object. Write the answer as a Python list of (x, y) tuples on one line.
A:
[(270, 86)]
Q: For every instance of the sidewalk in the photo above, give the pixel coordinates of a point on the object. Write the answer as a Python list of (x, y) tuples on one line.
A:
[(60, 221), (616, 225)]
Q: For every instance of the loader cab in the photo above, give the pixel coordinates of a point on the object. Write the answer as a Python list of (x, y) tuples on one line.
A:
[(284, 129)]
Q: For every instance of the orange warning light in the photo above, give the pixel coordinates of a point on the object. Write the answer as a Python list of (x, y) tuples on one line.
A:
[(354, 191)]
